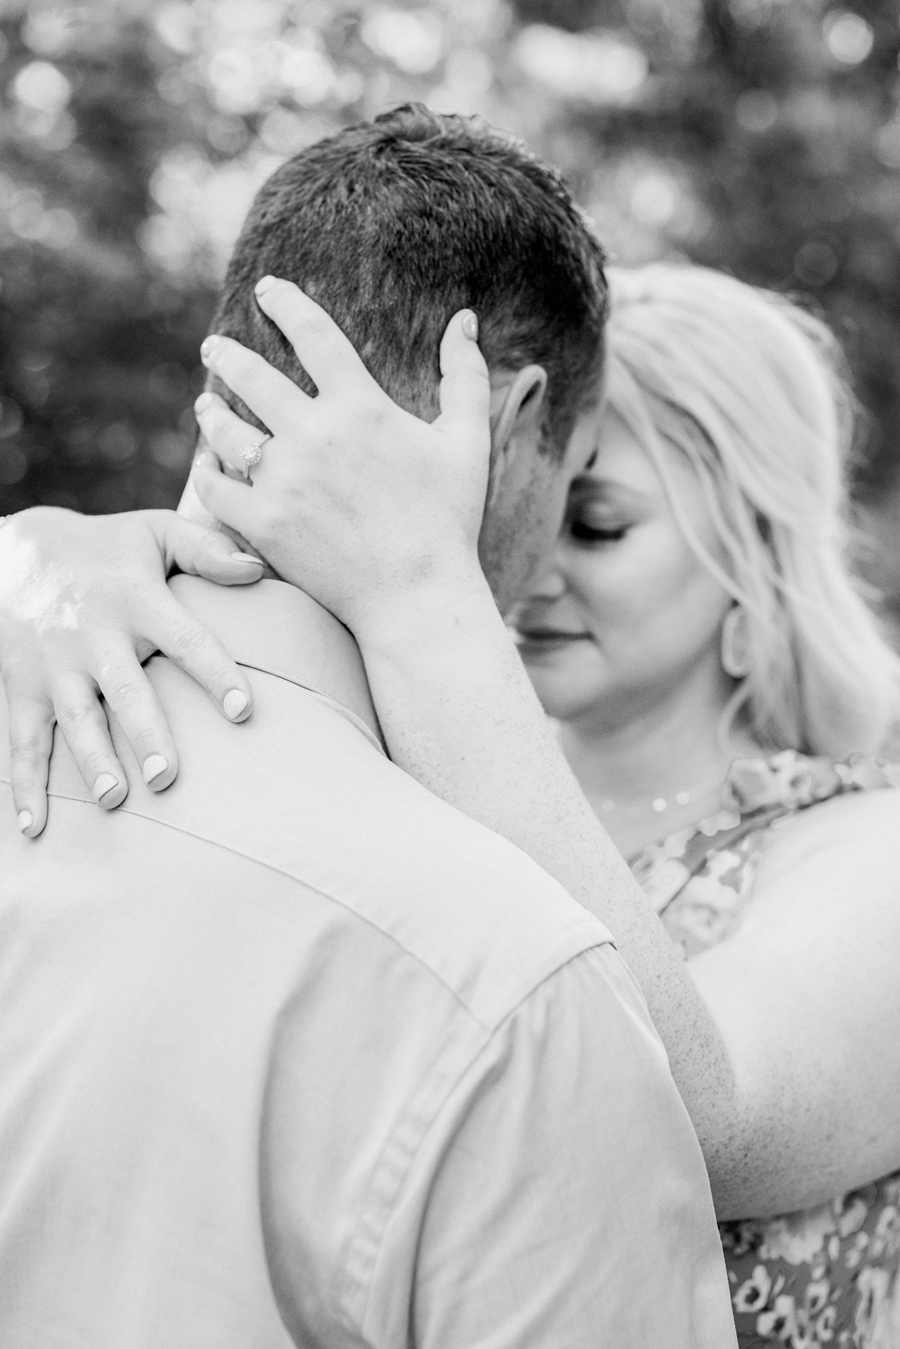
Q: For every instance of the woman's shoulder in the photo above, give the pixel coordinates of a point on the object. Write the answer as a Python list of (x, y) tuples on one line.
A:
[(815, 824), (790, 781), (860, 817)]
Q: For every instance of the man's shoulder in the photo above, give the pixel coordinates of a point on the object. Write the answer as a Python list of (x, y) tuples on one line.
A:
[(300, 792), (469, 907)]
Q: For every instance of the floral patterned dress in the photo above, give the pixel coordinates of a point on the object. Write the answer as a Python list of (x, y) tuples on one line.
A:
[(826, 1276)]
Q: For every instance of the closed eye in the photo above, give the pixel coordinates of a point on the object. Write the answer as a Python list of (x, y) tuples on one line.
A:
[(586, 533)]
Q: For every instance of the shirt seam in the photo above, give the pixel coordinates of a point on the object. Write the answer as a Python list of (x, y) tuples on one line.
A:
[(357, 720), (571, 932), (364, 1282)]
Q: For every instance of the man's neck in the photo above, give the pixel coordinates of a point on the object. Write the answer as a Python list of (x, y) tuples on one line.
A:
[(275, 628), (314, 639)]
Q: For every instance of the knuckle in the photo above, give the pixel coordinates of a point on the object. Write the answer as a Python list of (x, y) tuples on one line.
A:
[(80, 716), (122, 690), (94, 762), (29, 750), (225, 677), (147, 741), (187, 644), (212, 420)]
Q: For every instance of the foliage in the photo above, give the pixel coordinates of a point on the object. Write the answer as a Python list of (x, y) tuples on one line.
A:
[(763, 137), (132, 139), (758, 135)]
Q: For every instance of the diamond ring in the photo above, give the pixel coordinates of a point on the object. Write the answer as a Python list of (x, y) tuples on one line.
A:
[(251, 454)]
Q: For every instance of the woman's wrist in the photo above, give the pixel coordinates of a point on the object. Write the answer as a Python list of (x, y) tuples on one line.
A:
[(427, 615)]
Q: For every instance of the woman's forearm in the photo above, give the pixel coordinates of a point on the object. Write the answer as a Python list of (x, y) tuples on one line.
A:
[(459, 714)]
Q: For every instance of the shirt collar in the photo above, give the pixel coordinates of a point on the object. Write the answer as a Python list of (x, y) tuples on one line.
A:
[(273, 627)]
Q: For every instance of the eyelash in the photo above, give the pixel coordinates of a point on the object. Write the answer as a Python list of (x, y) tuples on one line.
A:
[(586, 534)]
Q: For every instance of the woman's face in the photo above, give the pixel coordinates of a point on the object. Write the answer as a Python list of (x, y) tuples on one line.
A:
[(627, 618)]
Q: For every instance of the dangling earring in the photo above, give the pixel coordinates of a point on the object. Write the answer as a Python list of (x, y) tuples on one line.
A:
[(735, 646)]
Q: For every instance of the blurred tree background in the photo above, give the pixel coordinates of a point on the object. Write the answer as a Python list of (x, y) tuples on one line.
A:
[(762, 136)]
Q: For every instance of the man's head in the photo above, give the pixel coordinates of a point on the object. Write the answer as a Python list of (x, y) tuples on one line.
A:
[(395, 225)]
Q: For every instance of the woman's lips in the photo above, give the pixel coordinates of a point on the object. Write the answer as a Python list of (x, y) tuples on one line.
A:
[(546, 638)]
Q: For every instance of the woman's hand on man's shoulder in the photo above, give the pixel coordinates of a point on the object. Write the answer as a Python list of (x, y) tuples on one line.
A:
[(83, 601)]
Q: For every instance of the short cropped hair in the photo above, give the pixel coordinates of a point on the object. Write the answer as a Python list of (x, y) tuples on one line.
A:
[(394, 225)]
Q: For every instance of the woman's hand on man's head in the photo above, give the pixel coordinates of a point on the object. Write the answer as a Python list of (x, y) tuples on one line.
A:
[(83, 600), (361, 504)]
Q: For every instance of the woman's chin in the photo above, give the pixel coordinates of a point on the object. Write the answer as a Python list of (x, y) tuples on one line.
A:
[(563, 688)]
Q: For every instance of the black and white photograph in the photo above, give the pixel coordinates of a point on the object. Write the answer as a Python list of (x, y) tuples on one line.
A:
[(450, 674)]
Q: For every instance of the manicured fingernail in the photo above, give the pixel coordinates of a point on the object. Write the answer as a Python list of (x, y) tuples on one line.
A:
[(153, 766), (235, 703), (24, 820), (104, 785), (263, 284), (203, 402), (208, 346), (470, 325), (245, 557)]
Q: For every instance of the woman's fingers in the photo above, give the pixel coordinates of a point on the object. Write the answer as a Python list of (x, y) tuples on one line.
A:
[(226, 433), (31, 723), (181, 637), (326, 354), (260, 385), (228, 500), (202, 551), (131, 697), (83, 723), (465, 390)]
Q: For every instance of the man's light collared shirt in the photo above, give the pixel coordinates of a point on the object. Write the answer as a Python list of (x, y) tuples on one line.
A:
[(295, 1054)]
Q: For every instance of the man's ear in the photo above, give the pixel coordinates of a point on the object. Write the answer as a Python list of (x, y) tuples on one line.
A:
[(517, 416)]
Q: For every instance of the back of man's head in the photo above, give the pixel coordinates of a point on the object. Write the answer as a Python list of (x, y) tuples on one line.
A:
[(394, 225)]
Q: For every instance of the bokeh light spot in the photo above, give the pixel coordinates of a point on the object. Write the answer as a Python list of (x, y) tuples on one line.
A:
[(41, 86), (598, 67), (308, 74), (848, 37), (887, 143), (175, 25), (412, 39), (654, 198)]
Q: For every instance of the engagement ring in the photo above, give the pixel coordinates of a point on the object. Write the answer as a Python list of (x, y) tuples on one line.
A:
[(251, 454)]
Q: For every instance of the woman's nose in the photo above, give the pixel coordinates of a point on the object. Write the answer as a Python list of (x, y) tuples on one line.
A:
[(550, 585)]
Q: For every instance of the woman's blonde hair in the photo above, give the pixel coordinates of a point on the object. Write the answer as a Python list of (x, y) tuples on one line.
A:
[(752, 390)]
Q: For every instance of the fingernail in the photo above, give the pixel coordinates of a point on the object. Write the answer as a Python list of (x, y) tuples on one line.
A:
[(263, 284), (153, 766), (104, 785), (203, 401), (235, 703), (25, 820), (208, 346), (470, 325), (245, 557)]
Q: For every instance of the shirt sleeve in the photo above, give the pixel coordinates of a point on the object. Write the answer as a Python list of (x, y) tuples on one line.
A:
[(560, 1200)]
